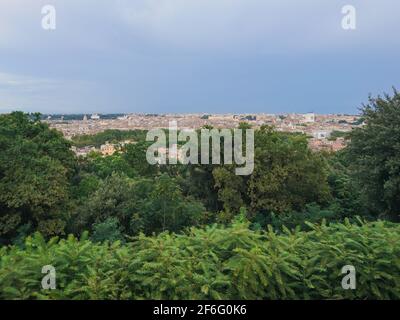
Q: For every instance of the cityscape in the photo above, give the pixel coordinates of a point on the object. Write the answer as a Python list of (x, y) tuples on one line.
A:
[(199, 158), (324, 132)]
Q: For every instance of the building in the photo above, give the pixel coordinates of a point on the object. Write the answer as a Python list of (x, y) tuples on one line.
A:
[(107, 149), (84, 151), (309, 117), (326, 145), (321, 134)]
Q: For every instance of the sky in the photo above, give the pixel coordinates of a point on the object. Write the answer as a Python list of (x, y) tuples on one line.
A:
[(197, 56)]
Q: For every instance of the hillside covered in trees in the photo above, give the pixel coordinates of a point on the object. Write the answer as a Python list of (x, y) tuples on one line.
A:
[(200, 231)]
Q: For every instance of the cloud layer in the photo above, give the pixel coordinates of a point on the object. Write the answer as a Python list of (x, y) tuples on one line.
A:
[(196, 55)]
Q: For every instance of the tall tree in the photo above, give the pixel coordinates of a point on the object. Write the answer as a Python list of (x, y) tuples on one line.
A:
[(286, 177), (164, 207), (374, 155), (36, 166)]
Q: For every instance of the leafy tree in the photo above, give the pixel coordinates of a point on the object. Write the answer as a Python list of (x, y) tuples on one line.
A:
[(166, 208), (374, 155), (104, 166), (313, 213), (216, 262), (111, 135), (287, 176), (347, 200), (36, 166), (85, 184), (198, 181), (141, 205), (231, 191), (135, 156), (109, 230), (114, 198)]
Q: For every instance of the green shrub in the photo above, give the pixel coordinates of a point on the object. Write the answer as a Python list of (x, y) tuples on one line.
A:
[(108, 230), (213, 263)]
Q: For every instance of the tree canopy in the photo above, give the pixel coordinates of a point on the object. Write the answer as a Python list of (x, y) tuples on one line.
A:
[(36, 166), (374, 155)]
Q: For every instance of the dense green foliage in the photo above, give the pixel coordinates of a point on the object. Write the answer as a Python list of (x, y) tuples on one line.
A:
[(141, 205), (338, 134), (212, 263), (287, 176), (36, 167), (111, 136), (45, 188), (374, 155), (167, 232)]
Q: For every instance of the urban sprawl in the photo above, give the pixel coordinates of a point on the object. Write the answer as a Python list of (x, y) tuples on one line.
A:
[(325, 132)]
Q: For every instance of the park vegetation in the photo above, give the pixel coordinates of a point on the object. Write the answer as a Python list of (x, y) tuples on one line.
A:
[(117, 227)]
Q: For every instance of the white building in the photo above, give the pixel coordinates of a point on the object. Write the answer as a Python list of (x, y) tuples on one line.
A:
[(309, 117), (321, 134)]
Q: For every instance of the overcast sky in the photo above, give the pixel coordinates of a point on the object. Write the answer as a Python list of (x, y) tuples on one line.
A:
[(219, 56)]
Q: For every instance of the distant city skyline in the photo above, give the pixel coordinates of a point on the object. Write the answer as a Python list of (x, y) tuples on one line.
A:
[(100, 114), (196, 56)]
